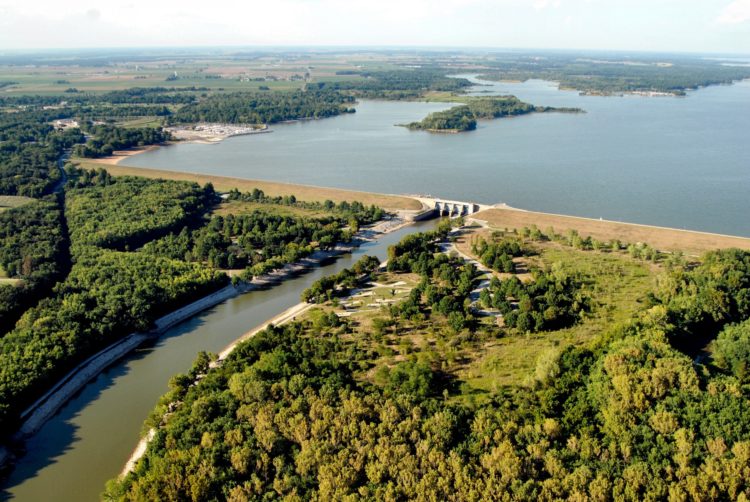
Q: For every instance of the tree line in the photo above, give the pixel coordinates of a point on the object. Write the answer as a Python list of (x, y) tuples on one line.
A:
[(33, 249), (107, 138), (355, 212), (264, 107), (628, 416)]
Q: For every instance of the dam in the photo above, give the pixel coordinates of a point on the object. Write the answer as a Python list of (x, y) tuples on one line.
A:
[(452, 208)]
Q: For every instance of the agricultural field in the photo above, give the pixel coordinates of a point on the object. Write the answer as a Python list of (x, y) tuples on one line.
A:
[(276, 73)]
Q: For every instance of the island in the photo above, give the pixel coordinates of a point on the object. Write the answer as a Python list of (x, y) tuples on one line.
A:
[(464, 117)]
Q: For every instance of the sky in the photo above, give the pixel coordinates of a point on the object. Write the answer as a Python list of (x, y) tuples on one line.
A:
[(640, 25)]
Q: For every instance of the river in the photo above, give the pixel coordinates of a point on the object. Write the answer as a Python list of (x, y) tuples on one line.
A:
[(678, 162), (90, 439)]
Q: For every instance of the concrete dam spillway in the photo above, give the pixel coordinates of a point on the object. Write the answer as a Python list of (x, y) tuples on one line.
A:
[(452, 208)]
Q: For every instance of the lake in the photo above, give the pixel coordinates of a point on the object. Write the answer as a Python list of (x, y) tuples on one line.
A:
[(678, 162)]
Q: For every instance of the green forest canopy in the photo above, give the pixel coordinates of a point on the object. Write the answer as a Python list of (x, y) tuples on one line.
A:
[(627, 416), (140, 248)]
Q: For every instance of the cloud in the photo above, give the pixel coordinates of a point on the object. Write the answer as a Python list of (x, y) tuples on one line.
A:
[(543, 4), (735, 13)]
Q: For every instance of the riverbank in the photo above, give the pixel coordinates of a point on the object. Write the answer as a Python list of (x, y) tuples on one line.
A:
[(286, 316), (46, 406), (34, 417)]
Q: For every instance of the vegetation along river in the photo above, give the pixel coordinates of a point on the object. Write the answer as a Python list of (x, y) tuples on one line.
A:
[(90, 439), (678, 162)]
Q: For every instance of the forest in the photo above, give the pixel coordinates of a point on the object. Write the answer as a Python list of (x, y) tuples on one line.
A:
[(265, 108), (131, 211), (257, 242), (458, 118), (107, 293), (33, 250), (295, 412), (140, 248), (106, 139), (398, 84), (29, 152)]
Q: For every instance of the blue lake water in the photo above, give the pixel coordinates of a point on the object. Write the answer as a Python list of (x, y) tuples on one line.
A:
[(679, 162)]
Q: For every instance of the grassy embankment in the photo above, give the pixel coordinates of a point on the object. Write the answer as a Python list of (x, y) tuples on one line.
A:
[(271, 188), (662, 238)]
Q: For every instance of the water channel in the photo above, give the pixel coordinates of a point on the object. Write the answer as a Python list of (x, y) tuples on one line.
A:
[(90, 439)]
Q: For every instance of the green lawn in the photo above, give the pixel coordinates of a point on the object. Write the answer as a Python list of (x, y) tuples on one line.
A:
[(617, 285), (11, 201), (239, 207)]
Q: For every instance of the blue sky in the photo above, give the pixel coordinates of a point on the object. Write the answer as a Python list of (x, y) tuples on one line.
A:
[(653, 25)]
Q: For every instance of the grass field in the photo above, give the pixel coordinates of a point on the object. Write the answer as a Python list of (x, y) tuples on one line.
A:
[(616, 283), (236, 207), (143, 122), (5, 280), (272, 188), (664, 239), (10, 201)]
